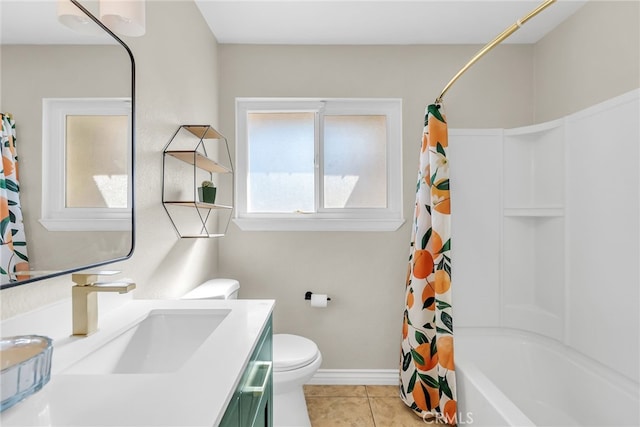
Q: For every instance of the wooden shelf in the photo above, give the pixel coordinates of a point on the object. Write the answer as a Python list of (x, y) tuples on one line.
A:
[(199, 236), (190, 204), (204, 131), (198, 160)]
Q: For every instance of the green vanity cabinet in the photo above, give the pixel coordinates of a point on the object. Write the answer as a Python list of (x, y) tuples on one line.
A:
[(252, 401), (232, 414)]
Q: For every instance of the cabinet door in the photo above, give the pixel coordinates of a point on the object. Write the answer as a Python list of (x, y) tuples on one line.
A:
[(264, 416), (252, 403), (256, 394), (231, 417)]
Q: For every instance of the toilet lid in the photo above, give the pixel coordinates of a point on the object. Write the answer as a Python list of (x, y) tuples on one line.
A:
[(214, 289), (292, 352)]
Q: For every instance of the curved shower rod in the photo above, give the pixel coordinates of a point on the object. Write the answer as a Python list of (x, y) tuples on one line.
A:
[(499, 39)]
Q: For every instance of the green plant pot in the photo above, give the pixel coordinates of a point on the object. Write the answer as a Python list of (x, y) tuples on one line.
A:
[(207, 194)]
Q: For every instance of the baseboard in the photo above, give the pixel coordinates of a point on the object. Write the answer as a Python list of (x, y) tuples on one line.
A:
[(356, 377)]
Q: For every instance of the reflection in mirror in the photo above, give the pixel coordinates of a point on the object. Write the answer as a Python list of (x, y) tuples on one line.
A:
[(85, 185), (95, 176), (41, 60)]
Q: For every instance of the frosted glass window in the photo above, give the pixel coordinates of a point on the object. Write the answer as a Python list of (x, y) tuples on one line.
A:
[(355, 165), (281, 162), (86, 164), (332, 164), (96, 161)]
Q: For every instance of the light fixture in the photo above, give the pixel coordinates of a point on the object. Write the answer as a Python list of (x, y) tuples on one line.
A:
[(74, 18), (124, 17)]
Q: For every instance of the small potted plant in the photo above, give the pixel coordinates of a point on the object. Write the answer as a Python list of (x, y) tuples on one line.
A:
[(207, 193)]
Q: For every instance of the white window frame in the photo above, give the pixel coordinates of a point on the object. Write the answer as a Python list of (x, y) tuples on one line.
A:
[(55, 216), (360, 219)]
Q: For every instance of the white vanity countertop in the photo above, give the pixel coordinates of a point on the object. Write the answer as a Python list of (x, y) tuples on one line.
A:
[(195, 395)]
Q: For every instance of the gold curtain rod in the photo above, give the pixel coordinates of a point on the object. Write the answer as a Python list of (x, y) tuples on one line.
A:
[(499, 39)]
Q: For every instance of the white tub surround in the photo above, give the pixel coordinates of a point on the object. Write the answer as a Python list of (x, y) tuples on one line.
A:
[(555, 209), (194, 394), (547, 243), (517, 378)]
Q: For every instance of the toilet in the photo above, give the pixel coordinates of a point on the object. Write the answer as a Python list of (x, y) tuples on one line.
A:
[(295, 360)]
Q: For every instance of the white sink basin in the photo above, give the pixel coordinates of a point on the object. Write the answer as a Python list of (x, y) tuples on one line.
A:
[(178, 360), (159, 343)]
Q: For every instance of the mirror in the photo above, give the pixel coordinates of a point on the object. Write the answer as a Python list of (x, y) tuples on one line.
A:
[(43, 61)]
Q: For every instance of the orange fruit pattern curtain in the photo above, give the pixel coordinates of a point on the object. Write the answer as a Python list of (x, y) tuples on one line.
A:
[(427, 375), (13, 244)]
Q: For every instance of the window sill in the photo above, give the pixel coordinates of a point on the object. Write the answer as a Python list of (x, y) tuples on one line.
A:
[(76, 224), (317, 224)]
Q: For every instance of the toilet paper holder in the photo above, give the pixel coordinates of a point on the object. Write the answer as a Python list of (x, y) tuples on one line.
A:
[(308, 294)]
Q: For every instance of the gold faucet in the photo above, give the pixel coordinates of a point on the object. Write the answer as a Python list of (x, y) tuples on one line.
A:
[(84, 298)]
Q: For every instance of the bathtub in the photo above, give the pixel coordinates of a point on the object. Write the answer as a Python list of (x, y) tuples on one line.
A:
[(512, 378)]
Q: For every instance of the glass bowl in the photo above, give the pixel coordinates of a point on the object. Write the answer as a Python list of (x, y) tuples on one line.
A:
[(25, 363)]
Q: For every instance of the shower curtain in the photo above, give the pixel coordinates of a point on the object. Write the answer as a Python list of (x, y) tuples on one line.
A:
[(13, 248), (427, 375)]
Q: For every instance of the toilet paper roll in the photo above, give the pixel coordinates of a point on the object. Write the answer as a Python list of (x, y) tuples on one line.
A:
[(319, 300)]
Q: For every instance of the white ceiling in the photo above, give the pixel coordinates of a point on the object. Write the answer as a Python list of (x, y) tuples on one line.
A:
[(35, 22), (378, 21), (319, 21)]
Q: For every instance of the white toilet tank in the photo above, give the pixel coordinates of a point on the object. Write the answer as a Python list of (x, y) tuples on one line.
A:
[(215, 289)]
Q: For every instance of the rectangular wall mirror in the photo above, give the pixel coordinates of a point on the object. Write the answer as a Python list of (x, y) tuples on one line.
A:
[(75, 185)]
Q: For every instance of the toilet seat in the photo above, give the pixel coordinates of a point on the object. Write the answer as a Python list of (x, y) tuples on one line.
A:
[(292, 352)]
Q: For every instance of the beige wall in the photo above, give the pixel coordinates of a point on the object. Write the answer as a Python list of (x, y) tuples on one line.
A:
[(177, 83), (591, 57), (363, 272)]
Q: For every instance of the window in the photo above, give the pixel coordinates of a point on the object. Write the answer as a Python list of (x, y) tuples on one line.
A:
[(86, 164), (319, 164)]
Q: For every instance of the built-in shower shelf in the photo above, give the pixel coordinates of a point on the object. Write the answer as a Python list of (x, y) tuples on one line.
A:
[(533, 227), (529, 131), (534, 212)]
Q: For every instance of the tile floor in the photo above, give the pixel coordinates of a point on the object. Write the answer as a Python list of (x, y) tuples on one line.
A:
[(358, 406)]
